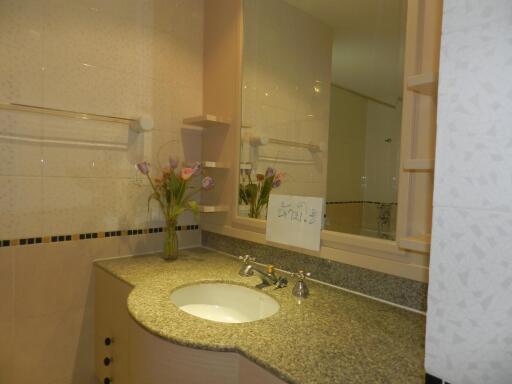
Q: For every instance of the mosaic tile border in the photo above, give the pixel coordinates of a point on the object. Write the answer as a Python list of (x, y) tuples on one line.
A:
[(90, 235), (394, 289)]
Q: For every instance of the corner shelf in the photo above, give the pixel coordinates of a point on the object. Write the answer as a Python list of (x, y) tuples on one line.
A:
[(206, 121), (420, 243), (213, 208), (418, 165), (424, 83)]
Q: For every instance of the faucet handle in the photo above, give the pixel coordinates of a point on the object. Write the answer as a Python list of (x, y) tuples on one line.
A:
[(270, 268), (301, 290), (301, 275), (246, 259)]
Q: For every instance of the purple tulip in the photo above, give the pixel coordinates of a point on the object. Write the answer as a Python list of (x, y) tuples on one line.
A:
[(143, 167), (173, 162), (207, 183), (197, 168), (270, 172), (276, 183)]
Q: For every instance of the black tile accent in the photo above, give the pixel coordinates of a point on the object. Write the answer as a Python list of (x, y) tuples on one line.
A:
[(68, 237), (140, 231), (23, 241), (118, 233), (62, 238), (150, 230), (107, 234), (88, 235), (55, 238), (82, 236), (129, 232), (31, 240), (95, 235), (6, 243), (178, 227), (39, 240), (429, 379)]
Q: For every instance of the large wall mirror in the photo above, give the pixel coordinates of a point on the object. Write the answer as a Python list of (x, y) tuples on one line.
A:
[(321, 108)]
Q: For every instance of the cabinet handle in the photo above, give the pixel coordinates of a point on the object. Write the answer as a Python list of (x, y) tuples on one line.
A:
[(107, 361), (108, 341), (107, 380)]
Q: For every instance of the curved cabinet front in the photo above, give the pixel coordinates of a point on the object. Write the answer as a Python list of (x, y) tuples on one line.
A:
[(138, 357)]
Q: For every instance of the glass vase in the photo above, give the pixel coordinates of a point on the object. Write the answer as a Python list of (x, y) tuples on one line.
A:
[(171, 249)]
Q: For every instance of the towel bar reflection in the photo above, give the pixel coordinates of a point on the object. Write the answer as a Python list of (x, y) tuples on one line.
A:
[(141, 124), (262, 140)]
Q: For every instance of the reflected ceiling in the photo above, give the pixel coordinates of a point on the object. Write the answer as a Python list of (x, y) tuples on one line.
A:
[(368, 43)]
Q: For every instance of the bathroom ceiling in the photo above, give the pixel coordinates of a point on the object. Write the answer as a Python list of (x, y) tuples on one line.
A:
[(368, 43)]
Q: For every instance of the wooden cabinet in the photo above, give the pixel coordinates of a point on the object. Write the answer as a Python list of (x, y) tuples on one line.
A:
[(111, 321), (139, 357)]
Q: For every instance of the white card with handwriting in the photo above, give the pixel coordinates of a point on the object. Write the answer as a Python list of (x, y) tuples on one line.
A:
[(295, 220)]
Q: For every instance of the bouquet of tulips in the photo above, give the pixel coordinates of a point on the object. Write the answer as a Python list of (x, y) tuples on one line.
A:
[(173, 191), (256, 193)]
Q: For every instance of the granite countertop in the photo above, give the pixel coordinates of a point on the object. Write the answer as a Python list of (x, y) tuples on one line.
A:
[(331, 337)]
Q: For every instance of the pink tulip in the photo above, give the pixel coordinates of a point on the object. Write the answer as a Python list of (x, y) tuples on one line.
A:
[(186, 173)]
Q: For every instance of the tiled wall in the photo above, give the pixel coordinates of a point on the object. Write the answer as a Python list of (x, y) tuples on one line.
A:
[(469, 332), (286, 78), (118, 57)]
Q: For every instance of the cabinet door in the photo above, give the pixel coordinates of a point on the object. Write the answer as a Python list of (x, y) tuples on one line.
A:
[(251, 373), (157, 361), (111, 321)]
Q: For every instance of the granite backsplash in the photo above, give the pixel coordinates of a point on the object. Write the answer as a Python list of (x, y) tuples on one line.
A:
[(398, 290)]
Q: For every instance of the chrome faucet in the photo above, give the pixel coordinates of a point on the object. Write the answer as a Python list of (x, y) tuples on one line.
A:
[(267, 277), (301, 289)]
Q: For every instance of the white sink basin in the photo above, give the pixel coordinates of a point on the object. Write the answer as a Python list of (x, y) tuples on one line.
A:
[(225, 303)]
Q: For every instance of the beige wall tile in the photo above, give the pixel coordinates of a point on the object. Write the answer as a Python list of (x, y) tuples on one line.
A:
[(6, 314), (6, 348), (6, 284), (52, 348), (140, 244), (51, 278)]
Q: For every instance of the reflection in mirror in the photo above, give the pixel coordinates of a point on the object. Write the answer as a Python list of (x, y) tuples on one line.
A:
[(321, 108)]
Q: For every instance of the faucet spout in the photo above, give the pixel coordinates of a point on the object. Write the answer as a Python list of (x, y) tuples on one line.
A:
[(267, 277)]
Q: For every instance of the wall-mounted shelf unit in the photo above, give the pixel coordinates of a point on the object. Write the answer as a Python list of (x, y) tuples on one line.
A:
[(206, 121), (419, 243), (419, 165), (424, 83), (419, 118), (213, 208)]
